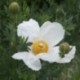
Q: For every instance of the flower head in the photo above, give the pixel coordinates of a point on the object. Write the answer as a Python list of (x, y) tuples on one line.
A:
[(44, 39), (14, 7), (64, 47)]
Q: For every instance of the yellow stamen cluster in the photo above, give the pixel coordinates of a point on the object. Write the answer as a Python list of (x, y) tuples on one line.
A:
[(39, 47)]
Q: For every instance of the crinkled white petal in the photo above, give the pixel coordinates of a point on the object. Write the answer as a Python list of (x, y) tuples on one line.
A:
[(19, 55), (29, 59), (53, 33), (68, 57), (51, 56), (28, 29)]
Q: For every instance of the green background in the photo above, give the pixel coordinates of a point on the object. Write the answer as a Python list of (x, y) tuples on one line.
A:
[(67, 12)]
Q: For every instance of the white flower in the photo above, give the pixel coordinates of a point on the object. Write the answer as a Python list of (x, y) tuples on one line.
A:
[(44, 41)]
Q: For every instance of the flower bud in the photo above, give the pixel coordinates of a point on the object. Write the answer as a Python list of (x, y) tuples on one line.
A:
[(14, 7), (64, 48)]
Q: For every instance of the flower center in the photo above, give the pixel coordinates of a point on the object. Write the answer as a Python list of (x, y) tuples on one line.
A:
[(39, 47)]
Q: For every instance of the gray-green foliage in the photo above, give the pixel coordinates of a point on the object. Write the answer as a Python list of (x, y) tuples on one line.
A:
[(67, 12)]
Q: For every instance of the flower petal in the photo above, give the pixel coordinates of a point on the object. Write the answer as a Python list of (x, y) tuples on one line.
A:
[(28, 29), (53, 33), (29, 59), (68, 57), (51, 56), (19, 55)]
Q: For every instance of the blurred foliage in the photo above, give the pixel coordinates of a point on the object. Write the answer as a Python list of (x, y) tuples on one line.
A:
[(67, 12)]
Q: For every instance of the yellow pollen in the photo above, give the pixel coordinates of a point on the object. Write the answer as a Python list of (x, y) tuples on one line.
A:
[(39, 47)]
